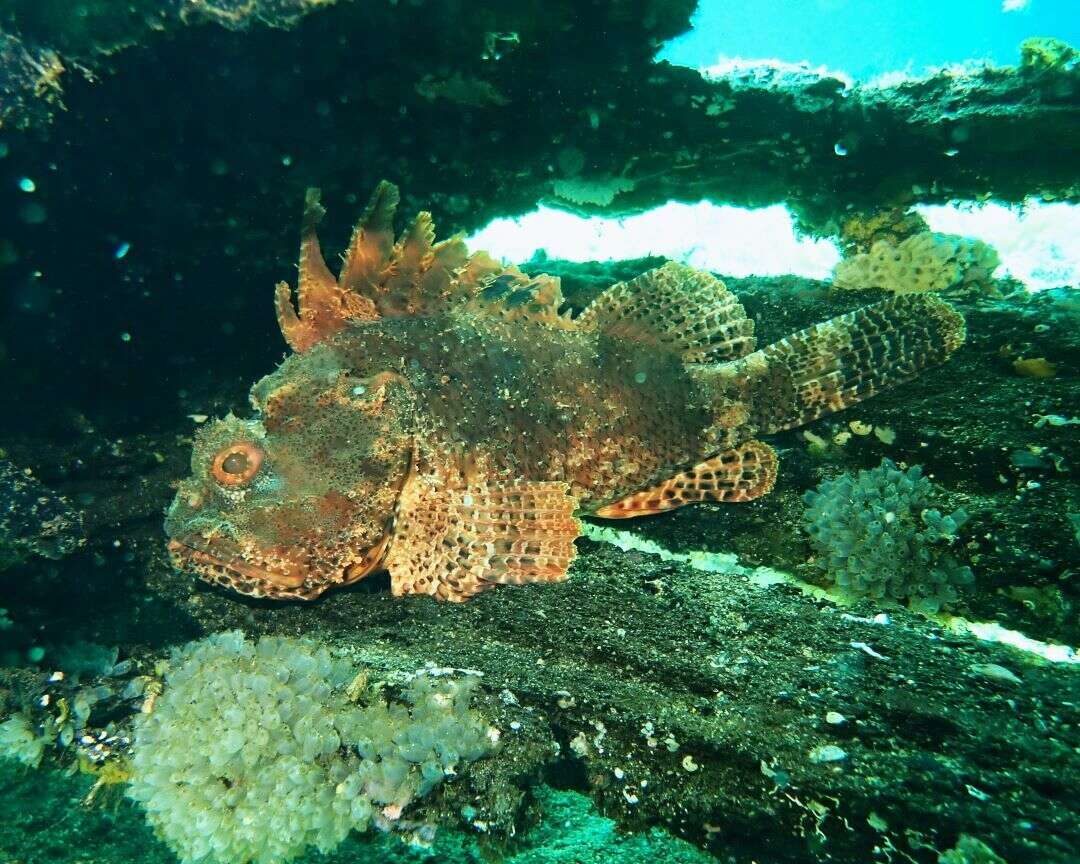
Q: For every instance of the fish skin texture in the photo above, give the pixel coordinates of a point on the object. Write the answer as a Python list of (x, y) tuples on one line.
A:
[(442, 418)]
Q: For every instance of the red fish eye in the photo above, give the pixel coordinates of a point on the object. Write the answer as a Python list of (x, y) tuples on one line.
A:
[(237, 464)]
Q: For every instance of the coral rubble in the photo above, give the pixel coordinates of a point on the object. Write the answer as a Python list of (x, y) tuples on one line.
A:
[(34, 520)]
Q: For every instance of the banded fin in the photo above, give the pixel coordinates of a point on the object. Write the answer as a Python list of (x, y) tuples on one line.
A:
[(743, 473), (454, 542), (675, 307), (838, 363)]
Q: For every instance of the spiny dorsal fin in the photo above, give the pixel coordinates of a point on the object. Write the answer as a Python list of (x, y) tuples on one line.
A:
[(421, 275), (315, 277), (442, 277), (511, 295), (368, 255), (414, 276), (675, 307), (740, 474), (324, 305)]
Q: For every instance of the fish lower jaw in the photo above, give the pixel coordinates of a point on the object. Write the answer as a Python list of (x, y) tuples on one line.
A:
[(229, 570)]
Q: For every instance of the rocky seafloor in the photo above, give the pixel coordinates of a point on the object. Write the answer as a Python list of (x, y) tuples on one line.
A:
[(674, 695), (664, 703)]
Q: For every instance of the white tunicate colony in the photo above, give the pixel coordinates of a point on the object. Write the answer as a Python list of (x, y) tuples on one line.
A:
[(254, 752)]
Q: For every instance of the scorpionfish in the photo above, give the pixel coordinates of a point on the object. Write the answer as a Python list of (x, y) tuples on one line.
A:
[(443, 418)]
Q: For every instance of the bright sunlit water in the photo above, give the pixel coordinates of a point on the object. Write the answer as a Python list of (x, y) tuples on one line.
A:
[(867, 38), (1039, 244)]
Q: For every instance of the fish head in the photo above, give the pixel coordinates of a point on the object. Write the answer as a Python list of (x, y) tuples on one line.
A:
[(300, 497)]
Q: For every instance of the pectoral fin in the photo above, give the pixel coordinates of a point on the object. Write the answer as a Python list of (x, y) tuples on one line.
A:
[(740, 474), (453, 542)]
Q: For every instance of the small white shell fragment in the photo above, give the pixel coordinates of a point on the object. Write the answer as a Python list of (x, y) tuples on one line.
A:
[(835, 718), (689, 764), (862, 646), (827, 753), (996, 673)]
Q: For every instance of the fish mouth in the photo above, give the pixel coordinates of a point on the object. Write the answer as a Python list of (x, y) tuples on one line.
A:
[(222, 562), (284, 575)]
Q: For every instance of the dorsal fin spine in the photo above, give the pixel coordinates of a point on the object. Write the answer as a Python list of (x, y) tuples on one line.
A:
[(372, 241), (383, 278)]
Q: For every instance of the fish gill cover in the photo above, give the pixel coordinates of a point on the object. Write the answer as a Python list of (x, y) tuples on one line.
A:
[(710, 677)]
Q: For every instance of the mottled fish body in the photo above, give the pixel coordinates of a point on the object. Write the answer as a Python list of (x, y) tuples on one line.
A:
[(442, 418)]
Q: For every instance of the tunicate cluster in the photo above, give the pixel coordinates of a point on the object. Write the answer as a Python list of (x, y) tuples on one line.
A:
[(255, 751), (927, 261), (877, 536), (19, 741)]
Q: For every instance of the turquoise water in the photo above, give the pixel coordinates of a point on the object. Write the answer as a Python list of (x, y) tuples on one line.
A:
[(865, 38)]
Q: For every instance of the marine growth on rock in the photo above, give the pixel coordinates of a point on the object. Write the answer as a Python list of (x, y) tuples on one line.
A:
[(256, 752), (878, 535)]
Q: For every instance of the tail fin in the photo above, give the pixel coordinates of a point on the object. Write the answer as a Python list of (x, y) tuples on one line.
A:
[(845, 360)]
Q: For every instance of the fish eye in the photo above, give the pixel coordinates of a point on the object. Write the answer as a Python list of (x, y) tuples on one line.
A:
[(237, 464)]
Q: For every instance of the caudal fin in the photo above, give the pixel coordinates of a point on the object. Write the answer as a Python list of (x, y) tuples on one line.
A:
[(847, 359)]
